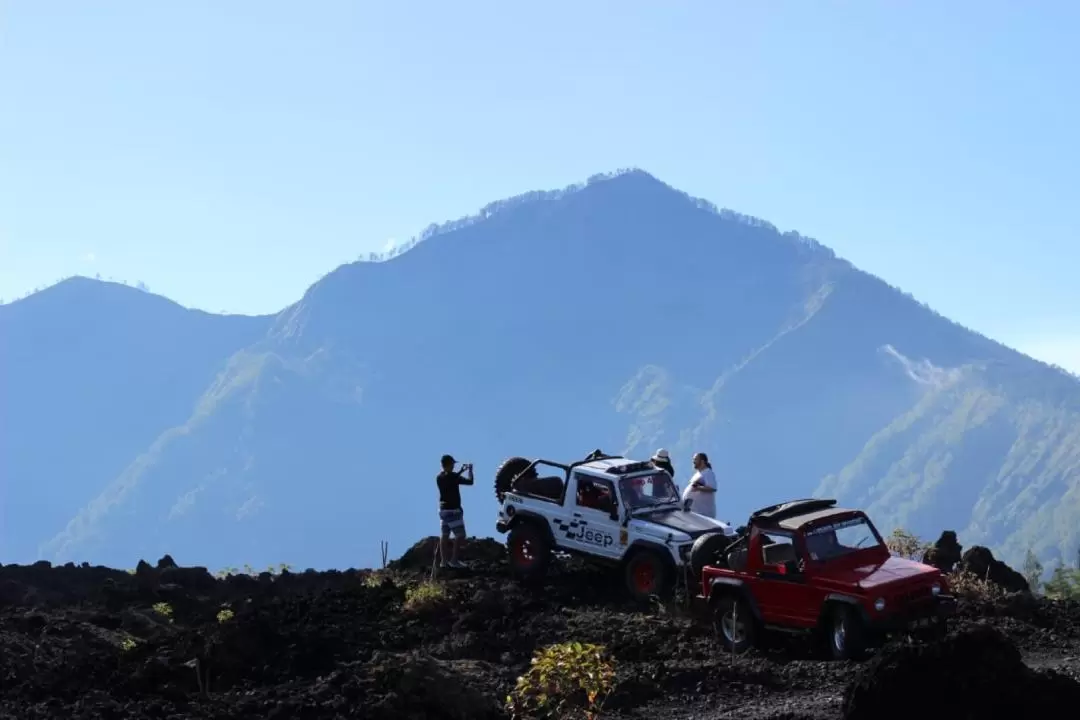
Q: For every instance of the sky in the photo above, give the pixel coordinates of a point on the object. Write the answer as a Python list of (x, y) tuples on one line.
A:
[(228, 154)]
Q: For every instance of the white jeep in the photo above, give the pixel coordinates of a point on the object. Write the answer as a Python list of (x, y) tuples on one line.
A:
[(608, 509)]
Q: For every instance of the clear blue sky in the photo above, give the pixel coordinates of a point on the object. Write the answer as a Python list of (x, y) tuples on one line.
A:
[(229, 153)]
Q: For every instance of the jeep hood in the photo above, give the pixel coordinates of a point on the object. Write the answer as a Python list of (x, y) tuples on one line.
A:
[(893, 571), (682, 521)]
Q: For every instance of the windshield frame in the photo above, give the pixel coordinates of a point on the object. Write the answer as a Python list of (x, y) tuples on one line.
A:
[(838, 523), (629, 481)]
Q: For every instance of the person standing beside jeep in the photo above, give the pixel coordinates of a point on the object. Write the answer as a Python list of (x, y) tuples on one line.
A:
[(451, 516), (662, 461), (701, 490)]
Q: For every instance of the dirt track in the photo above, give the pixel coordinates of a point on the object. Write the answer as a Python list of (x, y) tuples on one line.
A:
[(87, 643)]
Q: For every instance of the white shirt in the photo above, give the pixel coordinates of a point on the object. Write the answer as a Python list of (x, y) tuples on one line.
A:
[(703, 503)]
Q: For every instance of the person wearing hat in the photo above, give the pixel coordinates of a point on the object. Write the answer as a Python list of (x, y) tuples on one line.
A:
[(662, 460), (451, 516)]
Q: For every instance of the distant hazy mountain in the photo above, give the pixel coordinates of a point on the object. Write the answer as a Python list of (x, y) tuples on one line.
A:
[(622, 314)]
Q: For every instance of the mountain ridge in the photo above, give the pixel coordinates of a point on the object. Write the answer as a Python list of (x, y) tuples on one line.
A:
[(405, 358)]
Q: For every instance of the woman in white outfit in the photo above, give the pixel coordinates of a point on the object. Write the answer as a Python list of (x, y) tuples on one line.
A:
[(701, 491)]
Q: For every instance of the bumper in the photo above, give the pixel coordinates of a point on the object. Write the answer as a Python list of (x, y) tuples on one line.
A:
[(926, 615)]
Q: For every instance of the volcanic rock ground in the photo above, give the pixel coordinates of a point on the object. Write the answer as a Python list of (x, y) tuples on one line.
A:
[(87, 642)]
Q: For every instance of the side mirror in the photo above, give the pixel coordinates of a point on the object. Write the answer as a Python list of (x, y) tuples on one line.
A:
[(687, 504), (792, 567)]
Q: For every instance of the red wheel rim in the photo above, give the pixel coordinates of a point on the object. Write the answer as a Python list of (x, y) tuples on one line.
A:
[(523, 551), (644, 577)]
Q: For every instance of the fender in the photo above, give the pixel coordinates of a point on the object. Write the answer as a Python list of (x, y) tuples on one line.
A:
[(733, 586), (840, 598), (660, 548), (531, 517)]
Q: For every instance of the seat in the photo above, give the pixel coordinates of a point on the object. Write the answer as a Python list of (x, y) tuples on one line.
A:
[(779, 553), (736, 559)]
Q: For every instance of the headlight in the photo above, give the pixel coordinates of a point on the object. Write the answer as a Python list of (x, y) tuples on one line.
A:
[(879, 604), (935, 589)]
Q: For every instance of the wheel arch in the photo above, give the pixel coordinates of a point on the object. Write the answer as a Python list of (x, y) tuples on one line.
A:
[(527, 516), (639, 546), (834, 600), (733, 587)]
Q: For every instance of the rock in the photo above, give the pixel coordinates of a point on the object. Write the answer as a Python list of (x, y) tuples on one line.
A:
[(945, 553), (977, 672), (415, 686), (193, 579), (980, 562)]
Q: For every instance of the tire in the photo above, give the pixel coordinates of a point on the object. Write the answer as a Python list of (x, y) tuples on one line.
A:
[(646, 575), (529, 550), (734, 624), (846, 634), (707, 550), (504, 476)]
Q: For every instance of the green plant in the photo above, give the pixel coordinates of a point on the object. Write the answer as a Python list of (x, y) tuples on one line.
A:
[(969, 585), (1033, 571), (907, 545), (127, 644), (563, 681), (1064, 584), (424, 596), (225, 614), (163, 609)]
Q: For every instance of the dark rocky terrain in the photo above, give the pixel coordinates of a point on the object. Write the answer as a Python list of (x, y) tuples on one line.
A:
[(174, 642)]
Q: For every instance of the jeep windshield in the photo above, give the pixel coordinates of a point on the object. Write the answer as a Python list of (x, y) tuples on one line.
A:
[(648, 491), (839, 539)]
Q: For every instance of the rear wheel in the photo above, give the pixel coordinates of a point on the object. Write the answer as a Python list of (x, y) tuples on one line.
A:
[(734, 624), (646, 574), (530, 551), (846, 634)]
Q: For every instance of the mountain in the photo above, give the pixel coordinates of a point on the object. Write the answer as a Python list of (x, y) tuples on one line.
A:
[(90, 374), (619, 314)]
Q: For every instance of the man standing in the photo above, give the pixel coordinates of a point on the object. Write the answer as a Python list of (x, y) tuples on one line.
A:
[(701, 491), (451, 516)]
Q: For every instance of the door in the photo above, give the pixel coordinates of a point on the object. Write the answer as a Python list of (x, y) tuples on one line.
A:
[(784, 598), (591, 528)]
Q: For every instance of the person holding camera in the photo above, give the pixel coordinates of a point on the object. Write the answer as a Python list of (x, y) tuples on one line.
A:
[(451, 516)]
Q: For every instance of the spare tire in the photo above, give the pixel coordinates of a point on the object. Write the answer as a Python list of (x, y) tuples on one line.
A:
[(707, 550), (507, 472)]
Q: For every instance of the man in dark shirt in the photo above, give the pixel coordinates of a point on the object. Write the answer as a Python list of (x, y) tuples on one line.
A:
[(451, 516)]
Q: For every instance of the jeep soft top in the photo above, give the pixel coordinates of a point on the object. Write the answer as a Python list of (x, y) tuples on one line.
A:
[(810, 566), (606, 508)]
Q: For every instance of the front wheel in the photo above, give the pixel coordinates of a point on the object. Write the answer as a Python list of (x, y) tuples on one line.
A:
[(646, 575), (734, 624), (846, 634), (530, 551)]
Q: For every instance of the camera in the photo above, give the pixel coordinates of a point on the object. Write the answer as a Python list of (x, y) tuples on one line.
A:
[(466, 467)]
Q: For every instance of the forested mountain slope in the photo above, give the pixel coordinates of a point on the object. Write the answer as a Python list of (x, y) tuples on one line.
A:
[(623, 315)]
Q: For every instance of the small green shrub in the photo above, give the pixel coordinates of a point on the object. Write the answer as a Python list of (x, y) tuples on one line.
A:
[(907, 545), (424, 596), (163, 609), (564, 681)]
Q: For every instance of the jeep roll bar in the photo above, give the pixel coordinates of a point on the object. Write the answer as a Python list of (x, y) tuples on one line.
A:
[(793, 508)]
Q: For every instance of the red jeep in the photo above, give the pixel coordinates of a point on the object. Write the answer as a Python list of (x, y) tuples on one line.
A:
[(807, 566)]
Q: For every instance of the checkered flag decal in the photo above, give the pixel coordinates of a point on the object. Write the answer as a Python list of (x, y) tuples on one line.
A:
[(568, 528)]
